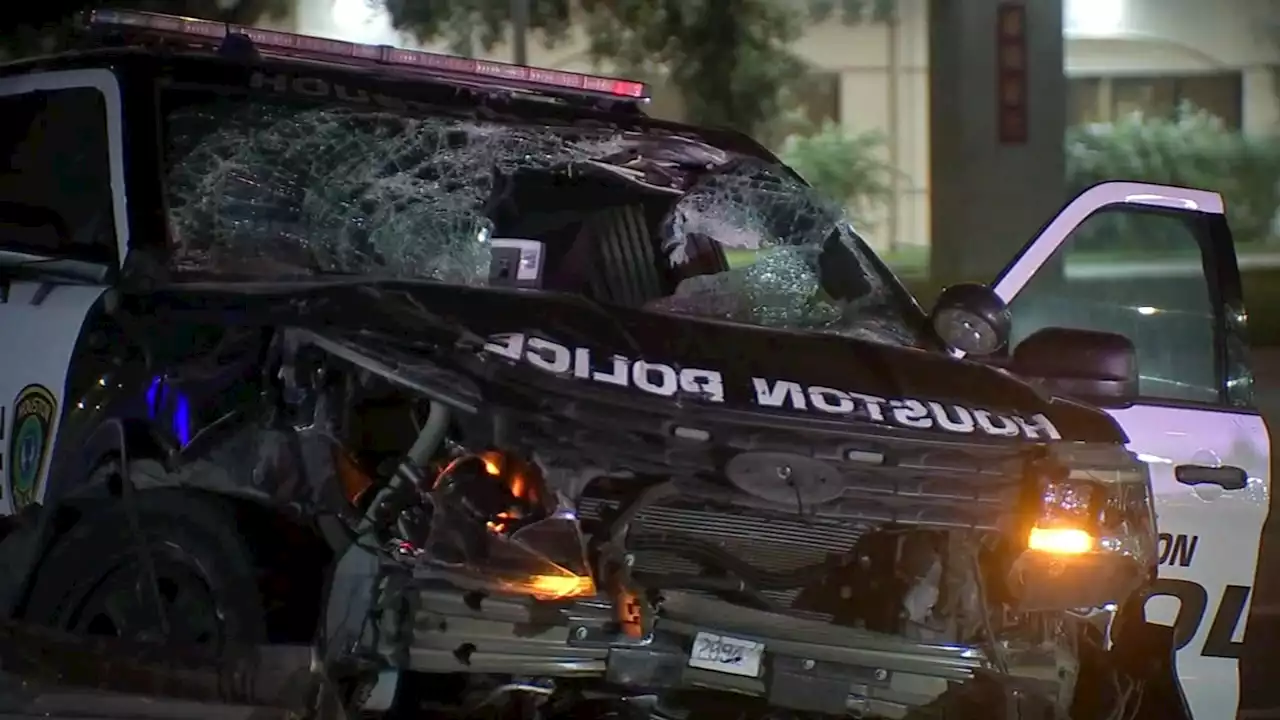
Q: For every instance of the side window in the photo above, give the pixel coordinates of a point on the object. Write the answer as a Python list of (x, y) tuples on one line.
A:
[(1140, 274), (55, 177)]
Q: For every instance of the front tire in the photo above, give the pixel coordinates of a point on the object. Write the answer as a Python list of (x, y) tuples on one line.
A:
[(95, 581)]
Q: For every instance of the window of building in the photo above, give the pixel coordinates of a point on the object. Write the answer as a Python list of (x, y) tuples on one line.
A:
[(1083, 101), (819, 98), (1104, 99)]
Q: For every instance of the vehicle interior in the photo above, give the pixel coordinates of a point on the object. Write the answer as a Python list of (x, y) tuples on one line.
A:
[(601, 239)]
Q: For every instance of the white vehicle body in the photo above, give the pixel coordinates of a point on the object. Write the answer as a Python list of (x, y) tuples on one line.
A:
[(1209, 535), (1209, 532)]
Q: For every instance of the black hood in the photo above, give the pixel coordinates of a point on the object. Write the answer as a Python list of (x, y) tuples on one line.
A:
[(563, 343)]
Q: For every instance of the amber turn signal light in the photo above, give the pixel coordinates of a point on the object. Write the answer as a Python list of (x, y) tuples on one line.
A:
[(1060, 541)]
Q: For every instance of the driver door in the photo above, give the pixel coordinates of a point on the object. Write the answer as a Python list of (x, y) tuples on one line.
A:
[(1157, 264)]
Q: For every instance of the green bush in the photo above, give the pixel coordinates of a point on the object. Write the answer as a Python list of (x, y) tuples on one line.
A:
[(847, 167), (1192, 149)]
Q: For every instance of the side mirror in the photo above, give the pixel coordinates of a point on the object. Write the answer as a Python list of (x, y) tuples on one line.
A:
[(1086, 364), (971, 318)]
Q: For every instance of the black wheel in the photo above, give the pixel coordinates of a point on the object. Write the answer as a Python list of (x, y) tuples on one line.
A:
[(95, 581)]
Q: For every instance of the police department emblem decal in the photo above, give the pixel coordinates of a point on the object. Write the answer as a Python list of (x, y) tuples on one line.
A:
[(33, 414)]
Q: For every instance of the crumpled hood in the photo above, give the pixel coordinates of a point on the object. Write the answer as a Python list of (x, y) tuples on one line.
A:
[(559, 341)]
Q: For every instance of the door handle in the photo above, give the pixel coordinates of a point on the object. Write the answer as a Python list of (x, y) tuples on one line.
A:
[(1227, 477)]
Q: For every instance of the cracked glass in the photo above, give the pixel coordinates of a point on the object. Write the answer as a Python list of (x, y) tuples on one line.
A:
[(264, 187)]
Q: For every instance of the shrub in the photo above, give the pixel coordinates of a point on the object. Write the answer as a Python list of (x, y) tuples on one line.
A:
[(848, 167), (1192, 149)]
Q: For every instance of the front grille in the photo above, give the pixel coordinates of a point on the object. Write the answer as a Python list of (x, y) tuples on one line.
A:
[(886, 479), (777, 542)]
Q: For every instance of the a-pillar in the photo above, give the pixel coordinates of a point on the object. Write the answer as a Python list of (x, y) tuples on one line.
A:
[(996, 131)]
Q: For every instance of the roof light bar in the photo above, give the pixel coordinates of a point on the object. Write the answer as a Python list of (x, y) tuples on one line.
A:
[(294, 44)]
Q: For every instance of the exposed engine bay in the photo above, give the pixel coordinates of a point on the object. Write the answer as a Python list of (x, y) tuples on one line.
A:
[(512, 565)]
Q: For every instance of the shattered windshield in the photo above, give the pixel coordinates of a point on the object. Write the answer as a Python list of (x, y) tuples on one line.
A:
[(268, 188)]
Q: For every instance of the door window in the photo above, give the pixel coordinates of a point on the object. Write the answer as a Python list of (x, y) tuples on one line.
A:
[(55, 177), (1142, 274)]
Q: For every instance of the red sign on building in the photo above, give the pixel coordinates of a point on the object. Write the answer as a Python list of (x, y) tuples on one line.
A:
[(1011, 73)]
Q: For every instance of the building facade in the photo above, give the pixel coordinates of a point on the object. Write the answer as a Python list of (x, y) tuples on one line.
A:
[(1120, 56)]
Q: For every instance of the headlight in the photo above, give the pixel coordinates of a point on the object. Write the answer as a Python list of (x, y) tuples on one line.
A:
[(1068, 518), (1090, 540), (1111, 507), (495, 525)]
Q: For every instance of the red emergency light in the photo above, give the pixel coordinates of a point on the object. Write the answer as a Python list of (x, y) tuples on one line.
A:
[(284, 43)]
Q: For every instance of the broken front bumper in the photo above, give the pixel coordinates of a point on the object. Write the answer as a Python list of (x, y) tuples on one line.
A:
[(795, 663)]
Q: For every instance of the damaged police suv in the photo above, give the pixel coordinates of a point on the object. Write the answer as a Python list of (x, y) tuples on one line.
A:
[(500, 399)]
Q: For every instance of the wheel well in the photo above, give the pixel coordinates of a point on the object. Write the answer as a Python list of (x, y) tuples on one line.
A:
[(293, 564), (290, 557)]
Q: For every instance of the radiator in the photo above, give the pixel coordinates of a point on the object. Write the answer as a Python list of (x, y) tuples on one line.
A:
[(777, 542)]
